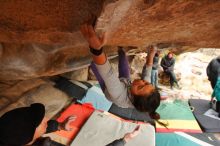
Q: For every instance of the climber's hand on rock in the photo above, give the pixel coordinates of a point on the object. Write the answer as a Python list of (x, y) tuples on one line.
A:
[(95, 41)]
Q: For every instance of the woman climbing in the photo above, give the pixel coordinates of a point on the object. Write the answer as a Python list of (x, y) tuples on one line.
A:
[(139, 94)]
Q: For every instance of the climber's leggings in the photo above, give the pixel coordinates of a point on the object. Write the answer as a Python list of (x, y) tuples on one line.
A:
[(123, 68)]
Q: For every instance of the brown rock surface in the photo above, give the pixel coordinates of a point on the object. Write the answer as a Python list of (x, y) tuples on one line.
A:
[(53, 99), (40, 21), (79, 75), (14, 89), (143, 22), (42, 38)]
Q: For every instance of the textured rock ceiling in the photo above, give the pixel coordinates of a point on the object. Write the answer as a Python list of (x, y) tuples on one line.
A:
[(42, 38)]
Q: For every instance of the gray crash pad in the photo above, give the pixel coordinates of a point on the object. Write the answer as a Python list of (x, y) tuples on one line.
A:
[(208, 124), (103, 128)]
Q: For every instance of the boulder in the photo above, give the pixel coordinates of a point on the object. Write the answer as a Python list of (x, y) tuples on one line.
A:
[(53, 99), (14, 89), (79, 75), (42, 38)]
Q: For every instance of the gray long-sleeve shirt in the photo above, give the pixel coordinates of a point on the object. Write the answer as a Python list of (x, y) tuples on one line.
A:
[(117, 90)]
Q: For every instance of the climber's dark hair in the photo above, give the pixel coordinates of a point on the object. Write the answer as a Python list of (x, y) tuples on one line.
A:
[(156, 117), (149, 103)]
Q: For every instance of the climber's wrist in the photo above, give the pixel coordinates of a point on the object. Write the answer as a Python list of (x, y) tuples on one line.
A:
[(96, 52)]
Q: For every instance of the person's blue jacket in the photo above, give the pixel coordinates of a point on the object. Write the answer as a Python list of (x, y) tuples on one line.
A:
[(216, 91)]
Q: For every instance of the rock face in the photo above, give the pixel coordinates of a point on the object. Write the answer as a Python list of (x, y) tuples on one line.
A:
[(42, 38), (53, 99), (47, 22), (180, 22)]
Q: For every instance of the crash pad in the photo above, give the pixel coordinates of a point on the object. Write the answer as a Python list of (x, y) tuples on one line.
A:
[(72, 88), (185, 139), (208, 124), (179, 117), (82, 113), (96, 97), (102, 128), (130, 114)]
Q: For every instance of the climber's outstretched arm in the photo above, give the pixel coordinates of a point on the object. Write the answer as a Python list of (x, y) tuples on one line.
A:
[(116, 89)]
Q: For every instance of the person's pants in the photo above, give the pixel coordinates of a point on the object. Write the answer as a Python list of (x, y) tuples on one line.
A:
[(123, 68), (172, 77), (154, 78), (129, 113), (215, 105), (218, 108)]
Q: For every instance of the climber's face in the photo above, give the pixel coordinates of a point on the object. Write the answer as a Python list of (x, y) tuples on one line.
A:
[(141, 88)]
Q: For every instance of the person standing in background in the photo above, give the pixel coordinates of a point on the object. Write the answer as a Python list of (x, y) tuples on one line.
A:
[(213, 73), (154, 72)]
